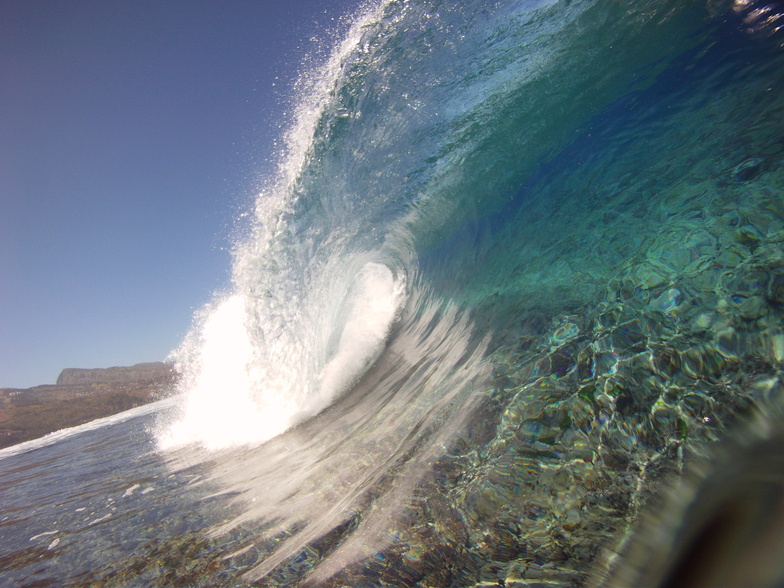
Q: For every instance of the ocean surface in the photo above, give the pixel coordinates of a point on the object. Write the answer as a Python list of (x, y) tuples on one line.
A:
[(509, 313)]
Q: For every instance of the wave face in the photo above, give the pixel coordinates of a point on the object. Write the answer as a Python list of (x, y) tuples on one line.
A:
[(520, 262), (414, 136), (394, 144)]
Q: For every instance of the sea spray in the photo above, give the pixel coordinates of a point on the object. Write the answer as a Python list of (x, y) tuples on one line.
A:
[(304, 320), (218, 406), (234, 396)]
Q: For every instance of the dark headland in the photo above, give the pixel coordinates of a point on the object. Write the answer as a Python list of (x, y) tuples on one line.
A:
[(80, 396)]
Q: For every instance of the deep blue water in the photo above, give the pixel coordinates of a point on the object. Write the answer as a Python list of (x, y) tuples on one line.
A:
[(509, 313)]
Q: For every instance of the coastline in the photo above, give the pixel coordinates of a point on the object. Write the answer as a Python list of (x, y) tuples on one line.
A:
[(30, 413)]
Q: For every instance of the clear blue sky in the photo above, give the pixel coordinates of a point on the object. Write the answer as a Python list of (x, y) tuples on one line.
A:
[(132, 134)]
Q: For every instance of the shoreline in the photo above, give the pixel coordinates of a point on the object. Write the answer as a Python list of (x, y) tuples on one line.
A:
[(31, 413)]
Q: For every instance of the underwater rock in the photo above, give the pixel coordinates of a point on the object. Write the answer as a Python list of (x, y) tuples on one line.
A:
[(502, 543), (667, 361), (616, 461), (775, 344), (703, 321), (728, 342), (667, 423), (708, 278), (749, 236), (775, 289), (629, 335), (753, 308), (731, 256), (564, 332), (562, 362), (605, 362), (624, 403), (748, 170), (668, 301), (697, 406), (649, 278), (585, 366), (693, 363)]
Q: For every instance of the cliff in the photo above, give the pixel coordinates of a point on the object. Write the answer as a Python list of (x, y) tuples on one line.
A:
[(33, 412), (141, 372)]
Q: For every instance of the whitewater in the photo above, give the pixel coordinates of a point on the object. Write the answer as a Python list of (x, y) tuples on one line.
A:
[(508, 312)]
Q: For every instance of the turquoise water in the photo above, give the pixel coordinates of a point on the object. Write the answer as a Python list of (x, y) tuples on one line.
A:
[(510, 307)]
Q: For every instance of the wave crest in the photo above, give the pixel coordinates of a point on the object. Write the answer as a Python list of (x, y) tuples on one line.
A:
[(237, 393)]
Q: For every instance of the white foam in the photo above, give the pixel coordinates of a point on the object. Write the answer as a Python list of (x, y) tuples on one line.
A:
[(100, 519), (131, 490), (237, 393), (44, 534), (219, 410)]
